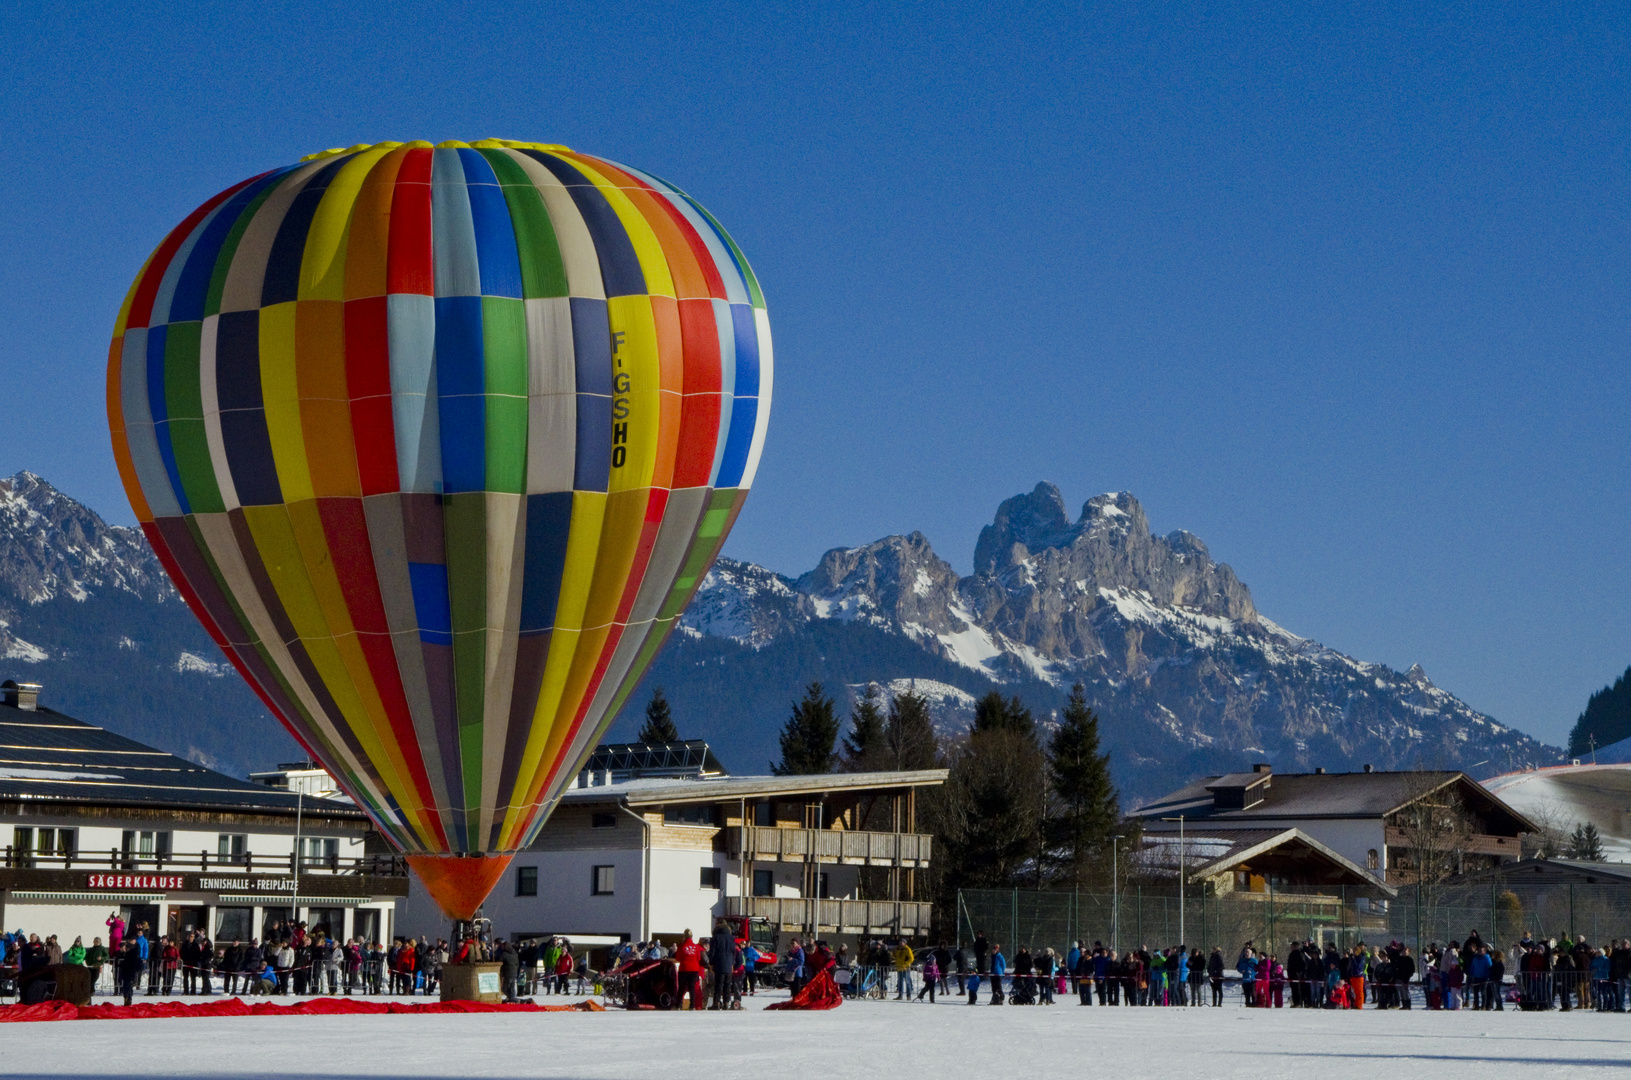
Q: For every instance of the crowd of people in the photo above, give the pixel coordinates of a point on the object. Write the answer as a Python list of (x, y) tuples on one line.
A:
[(717, 971), (1469, 973), (291, 959)]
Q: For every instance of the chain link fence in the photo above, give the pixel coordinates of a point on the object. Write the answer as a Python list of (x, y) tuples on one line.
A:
[(1501, 911)]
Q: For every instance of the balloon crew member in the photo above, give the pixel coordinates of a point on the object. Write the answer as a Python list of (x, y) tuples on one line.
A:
[(690, 955)]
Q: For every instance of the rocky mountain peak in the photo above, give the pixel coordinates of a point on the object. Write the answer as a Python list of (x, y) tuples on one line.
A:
[(51, 545), (1034, 522), (898, 580)]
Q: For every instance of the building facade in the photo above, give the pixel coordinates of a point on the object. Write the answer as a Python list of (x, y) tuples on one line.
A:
[(96, 824), (1382, 822), (654, 841)]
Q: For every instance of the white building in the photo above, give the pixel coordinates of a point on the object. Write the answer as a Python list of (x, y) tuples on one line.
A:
[(655, 840), (94, 823)]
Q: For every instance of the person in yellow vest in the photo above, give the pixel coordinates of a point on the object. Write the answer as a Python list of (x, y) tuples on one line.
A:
[(902, 957)]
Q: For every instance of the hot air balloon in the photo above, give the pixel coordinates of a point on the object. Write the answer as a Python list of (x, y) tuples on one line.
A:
[(438, 442)]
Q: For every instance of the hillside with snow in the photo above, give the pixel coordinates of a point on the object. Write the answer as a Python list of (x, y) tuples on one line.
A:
[(1186, 674), (87, 611)]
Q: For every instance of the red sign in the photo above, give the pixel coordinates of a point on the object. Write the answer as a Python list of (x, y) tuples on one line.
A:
[(135, 881)]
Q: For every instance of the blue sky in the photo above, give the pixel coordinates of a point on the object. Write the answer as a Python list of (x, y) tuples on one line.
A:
[(1343, 291)]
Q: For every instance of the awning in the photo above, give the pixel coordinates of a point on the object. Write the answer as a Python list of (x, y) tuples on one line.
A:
[(286, 899), (82, 897)]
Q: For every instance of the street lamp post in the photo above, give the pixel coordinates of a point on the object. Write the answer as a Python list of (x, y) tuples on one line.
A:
[(1115, 894), (1180, 820)]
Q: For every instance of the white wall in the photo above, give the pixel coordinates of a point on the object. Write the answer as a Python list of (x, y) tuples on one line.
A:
[(564, 904), (678, 901), (64, 920), (1351, 838)]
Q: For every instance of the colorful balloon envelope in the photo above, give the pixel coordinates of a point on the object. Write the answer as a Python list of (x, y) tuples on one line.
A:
[(438, 442)]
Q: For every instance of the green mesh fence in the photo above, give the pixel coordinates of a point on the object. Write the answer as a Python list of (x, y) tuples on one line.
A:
[(1501, 912)]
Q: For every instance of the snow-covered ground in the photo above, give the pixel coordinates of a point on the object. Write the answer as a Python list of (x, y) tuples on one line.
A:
[(948, 1041)]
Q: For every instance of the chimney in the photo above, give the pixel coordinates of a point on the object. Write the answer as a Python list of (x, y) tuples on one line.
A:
[(1261, 767), (1370, 768), (21, 695)]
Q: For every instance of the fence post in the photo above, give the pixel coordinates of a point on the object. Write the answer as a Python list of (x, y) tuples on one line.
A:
[(1013, 938), (1571, 912), (1141, 914)]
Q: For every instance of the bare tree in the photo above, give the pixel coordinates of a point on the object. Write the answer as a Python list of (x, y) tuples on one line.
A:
[(1436, 829), (1551, 839)]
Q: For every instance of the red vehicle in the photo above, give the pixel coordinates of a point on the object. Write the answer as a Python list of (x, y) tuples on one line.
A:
[(748, 930)]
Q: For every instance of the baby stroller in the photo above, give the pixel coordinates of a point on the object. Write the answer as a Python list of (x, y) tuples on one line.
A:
[(1022, 990)]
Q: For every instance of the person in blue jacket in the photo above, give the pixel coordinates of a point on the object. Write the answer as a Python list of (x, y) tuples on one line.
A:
[(1247, 966), (999, 968), (1073, 966), (143, 952)]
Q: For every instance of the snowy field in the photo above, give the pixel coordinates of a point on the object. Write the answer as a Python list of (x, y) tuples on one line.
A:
[(948, 1041)]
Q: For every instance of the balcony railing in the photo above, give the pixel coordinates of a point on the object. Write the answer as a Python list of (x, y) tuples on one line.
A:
[(835, 916), (1477, 844), (246, 861), (762, 843)]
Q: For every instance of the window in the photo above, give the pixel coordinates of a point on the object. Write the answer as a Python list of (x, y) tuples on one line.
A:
[(821, 886), (764, 883), (231, 846), (58, 843), (146, 843), (695, 814), (710, 877), (319, 850), (602, 881), (764, 814), (1372, 860), (22, 846), (233, 923), (526, 881), (603, 821)]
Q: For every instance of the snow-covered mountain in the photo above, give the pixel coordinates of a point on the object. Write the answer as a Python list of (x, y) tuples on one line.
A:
[(87, 610), (1178, 661), (1187, 675)]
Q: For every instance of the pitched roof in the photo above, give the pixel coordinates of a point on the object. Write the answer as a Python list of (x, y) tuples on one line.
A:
[(1325, 795), (48, 756), (655, 791), (1208, 853)]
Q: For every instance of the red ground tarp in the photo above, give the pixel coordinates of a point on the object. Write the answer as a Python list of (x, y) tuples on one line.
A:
[(819, 993), (323, 1006)]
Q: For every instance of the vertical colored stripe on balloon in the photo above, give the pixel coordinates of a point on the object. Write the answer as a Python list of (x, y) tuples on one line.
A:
[(244, 435), (141, 303), (184, 404), (542, 274), (225, 258), (761, 425), (647, 248), (739, 438), (620, 270)]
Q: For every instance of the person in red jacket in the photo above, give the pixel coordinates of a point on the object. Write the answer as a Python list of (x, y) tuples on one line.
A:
[(689, 954)]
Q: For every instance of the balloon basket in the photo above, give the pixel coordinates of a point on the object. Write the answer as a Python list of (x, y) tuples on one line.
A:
[(479, 981)]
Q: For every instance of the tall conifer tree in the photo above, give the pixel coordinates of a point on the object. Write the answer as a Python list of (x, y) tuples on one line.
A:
[(864, 746), (659, 726), (909, 737), (1085, 807), (809, 736)]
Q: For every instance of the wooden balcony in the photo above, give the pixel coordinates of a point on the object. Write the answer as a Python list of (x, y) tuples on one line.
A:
[(835, 916), (1480, 844), (761, 843)]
